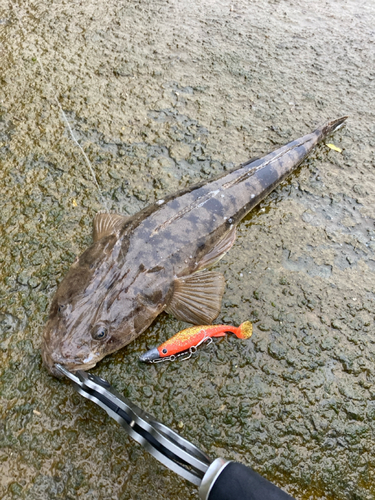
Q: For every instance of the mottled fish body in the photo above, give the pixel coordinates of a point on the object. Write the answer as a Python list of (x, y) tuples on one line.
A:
[(192, 337), (156, 261)]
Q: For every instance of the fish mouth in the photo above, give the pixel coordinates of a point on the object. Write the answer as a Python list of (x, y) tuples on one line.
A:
[(68, 365), (74, 367), (51, 359), (150, 356)]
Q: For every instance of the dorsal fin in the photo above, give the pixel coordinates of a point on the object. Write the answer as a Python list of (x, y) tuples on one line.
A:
[(105, 224)]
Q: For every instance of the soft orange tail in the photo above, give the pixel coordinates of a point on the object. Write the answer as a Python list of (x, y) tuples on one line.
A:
[(245, 330)]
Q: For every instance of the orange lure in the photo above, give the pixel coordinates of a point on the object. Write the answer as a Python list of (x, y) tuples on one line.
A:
[(190, 338)]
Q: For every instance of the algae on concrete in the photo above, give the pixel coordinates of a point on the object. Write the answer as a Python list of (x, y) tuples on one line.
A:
[(160, 95)]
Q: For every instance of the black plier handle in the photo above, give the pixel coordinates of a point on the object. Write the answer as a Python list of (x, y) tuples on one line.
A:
[(217, 480)]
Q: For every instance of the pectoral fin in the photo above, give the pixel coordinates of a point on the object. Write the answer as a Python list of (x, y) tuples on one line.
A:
[(105, 224), (197, 298), (219, 250)]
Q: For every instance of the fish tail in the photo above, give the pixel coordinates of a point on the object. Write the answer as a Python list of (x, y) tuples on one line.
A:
[(245, 330), (332, 126)]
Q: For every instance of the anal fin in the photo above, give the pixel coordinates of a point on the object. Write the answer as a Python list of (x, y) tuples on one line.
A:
[(197, 298), (106, 224)]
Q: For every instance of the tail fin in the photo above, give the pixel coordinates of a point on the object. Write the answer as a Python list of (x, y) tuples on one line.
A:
[(245, 330), (332, 126)]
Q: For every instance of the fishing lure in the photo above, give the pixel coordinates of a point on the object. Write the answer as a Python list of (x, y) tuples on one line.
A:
[(187, 341)]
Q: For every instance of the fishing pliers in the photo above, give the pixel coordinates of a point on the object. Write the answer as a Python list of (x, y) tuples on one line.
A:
[(219, 479)]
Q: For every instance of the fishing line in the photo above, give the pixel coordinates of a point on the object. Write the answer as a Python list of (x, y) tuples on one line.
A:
[(65, 118)]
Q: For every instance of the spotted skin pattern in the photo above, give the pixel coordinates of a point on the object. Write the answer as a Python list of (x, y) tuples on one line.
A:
[(127, 277)]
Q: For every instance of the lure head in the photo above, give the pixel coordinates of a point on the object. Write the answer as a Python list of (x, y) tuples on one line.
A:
[(166, 350), (150, 356)]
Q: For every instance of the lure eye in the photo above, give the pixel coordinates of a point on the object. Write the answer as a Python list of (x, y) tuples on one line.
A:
[(99, 332), (164, 351)]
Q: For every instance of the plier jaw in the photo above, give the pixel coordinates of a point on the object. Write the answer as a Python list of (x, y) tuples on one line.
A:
[(160, 441)]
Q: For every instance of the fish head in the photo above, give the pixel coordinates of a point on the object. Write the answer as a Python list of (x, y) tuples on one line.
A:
[(80, 332), (95, 312), (78, 340)]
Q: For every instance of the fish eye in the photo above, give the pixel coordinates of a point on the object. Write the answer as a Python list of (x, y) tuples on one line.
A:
[(164, 351), (61, 307), (99, 332)]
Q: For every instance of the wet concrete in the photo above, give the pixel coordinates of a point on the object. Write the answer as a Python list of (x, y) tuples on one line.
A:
[(161, 94)]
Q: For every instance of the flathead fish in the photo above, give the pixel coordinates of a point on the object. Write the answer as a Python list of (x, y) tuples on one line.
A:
[(191, 338), (157, 260)]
